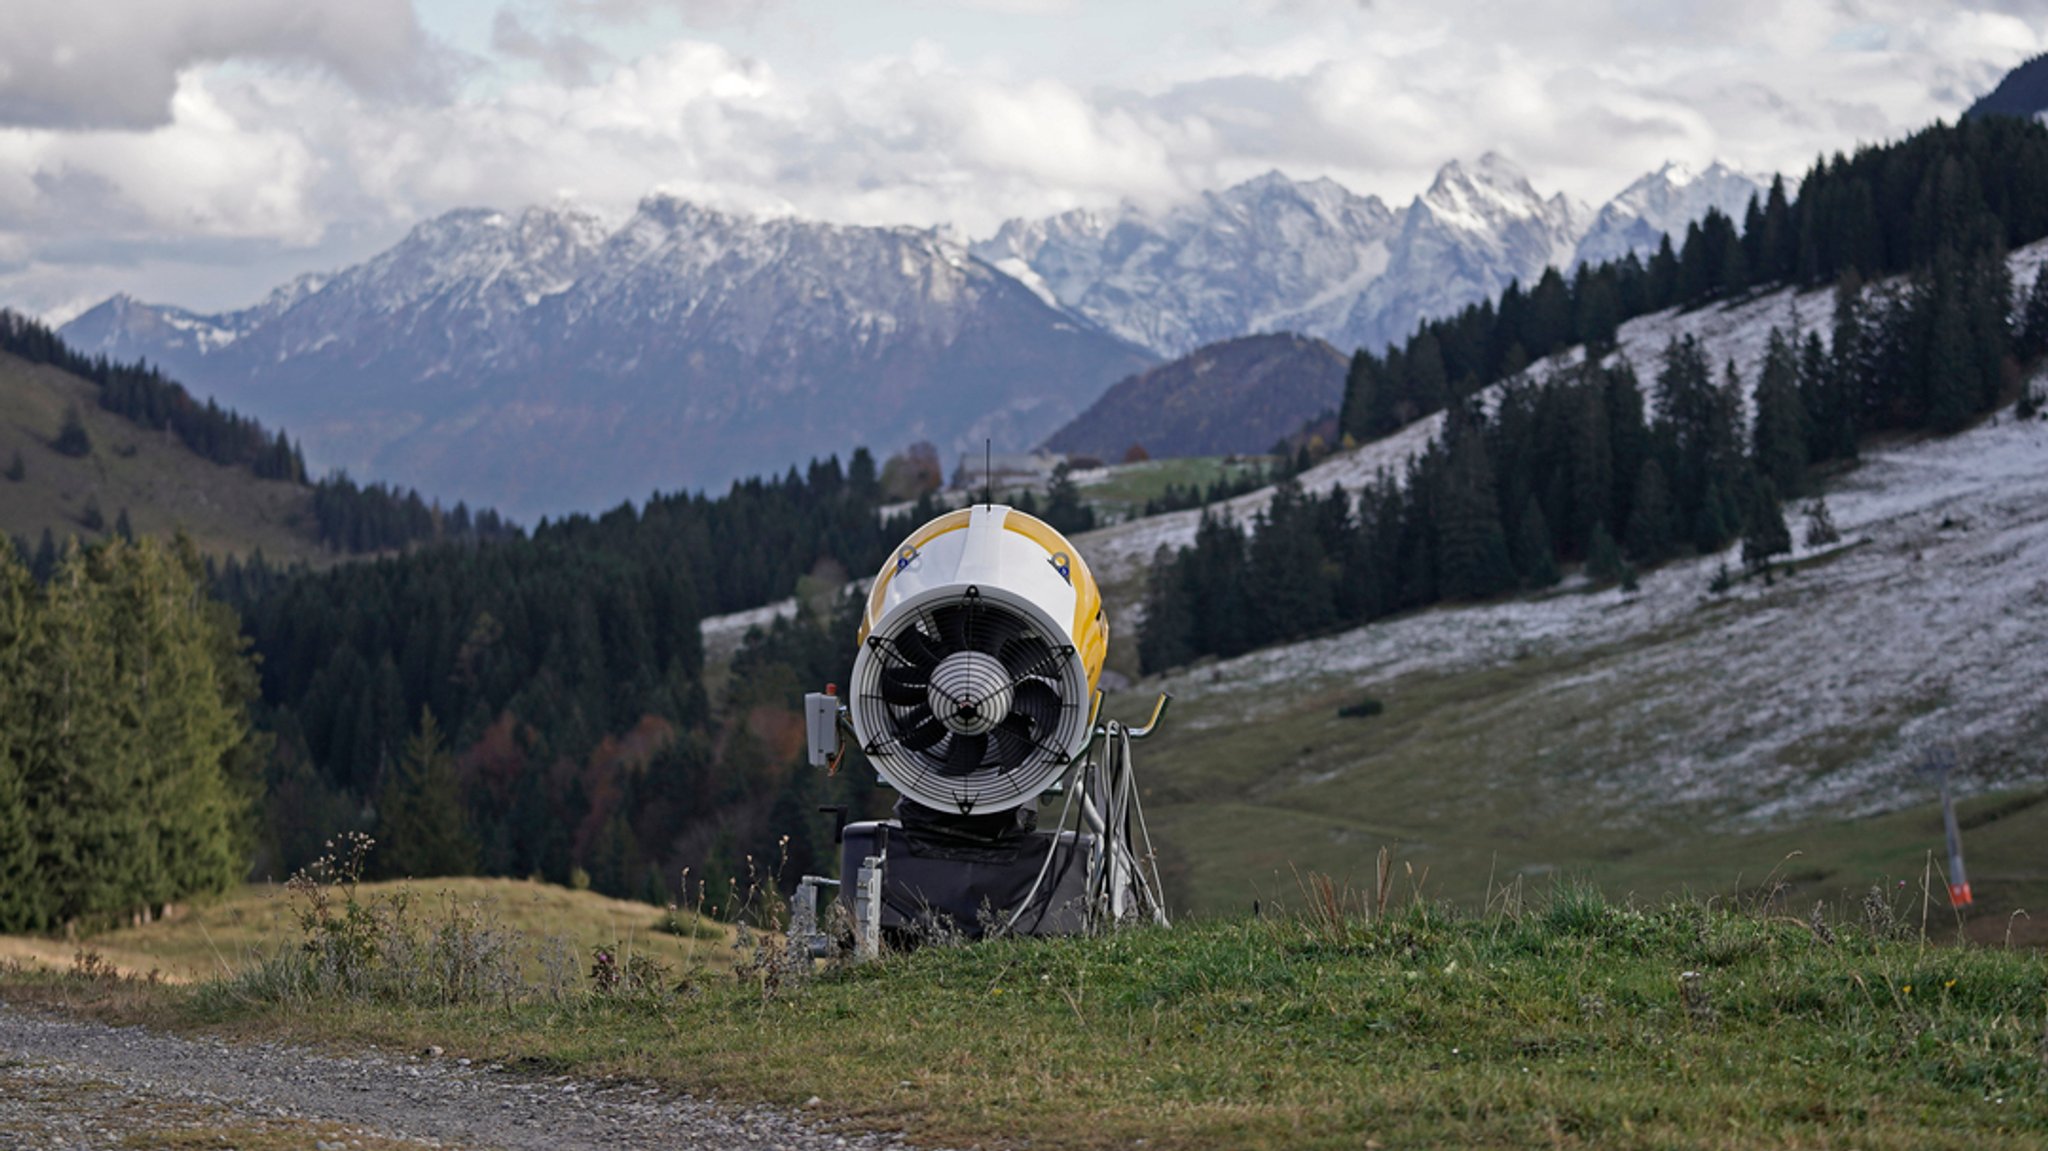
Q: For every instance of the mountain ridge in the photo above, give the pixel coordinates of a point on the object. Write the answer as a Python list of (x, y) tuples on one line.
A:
[(541, 362)]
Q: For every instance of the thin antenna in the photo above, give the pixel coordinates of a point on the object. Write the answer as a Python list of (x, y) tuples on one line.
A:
[(988, 471)]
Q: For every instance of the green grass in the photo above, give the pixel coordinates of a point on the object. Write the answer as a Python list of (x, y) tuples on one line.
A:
[(1124, 491), (1493, 772), (1560, 1019), (164, 486)]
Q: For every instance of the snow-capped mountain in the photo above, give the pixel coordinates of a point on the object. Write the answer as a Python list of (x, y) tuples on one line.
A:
[(1275, 255), (1477, 229), (1663, 203), (1267, 255), (539, 362)]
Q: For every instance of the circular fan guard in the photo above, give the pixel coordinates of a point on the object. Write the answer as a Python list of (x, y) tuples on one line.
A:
[(968, 704)]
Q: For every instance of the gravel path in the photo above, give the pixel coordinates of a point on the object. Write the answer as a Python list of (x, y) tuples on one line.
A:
[(79, 1085)]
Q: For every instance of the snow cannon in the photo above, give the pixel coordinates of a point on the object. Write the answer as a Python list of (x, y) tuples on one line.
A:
[(976, 696)]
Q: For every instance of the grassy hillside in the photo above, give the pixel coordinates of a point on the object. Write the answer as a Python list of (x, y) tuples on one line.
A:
[(235, 933), (1664, 739), (1559, 1019), (163, 486)]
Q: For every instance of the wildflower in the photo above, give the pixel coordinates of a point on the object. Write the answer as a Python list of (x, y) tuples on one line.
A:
[(1908, 989)]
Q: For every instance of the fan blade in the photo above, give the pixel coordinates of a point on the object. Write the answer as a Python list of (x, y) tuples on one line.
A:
[(951, 623), (1027, 656), (1013, 741), (1039, 702), (966, 753), (913, 646), (920, 730), (993, 629), (905, 686)]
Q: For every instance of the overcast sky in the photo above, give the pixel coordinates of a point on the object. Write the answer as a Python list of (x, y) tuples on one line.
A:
[(201, 151)]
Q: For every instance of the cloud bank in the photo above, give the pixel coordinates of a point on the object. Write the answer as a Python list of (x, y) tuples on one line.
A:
[(197, 151)]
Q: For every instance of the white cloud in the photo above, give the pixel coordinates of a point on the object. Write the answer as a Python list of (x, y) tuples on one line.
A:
[(230, 163), (115, 63)]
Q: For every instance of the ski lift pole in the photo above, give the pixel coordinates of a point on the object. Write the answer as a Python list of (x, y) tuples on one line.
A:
[(1958, 880)]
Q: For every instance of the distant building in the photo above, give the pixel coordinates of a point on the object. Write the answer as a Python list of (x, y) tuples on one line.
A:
[(1005, 470)]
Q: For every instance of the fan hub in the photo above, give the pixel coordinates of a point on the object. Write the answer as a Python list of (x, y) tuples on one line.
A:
[(970, 692)]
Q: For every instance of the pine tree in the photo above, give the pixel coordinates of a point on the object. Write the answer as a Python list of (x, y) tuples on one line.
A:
[(1168, 638), (72, 439), (177, 660), (1649, 527), (19, 910), (1535, 554), (1950, 378), (91, 517), (17, 469), (1603, 558), (1064, 508), (1764, 533), (1473, 550), (422, 827), (1779, 439)]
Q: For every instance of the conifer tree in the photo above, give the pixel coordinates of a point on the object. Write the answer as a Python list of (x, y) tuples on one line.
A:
[(1603, 557), (1649, 526), (169, 659), (422, 827), (72, 439), (17, 468), (19, 909), (1779, 436), (1764, 533), (1535, 554), (1168, 638)]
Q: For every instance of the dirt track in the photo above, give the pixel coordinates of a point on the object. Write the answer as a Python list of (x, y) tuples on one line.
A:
[(80, 1085)]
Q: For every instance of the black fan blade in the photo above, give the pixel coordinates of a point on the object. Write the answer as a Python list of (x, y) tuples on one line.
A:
[(1039, 702), (1013, 742), (1027, 656), (993, 629), (918, 650), (966, 753), (951, 622), (921, 730), (905, 686)]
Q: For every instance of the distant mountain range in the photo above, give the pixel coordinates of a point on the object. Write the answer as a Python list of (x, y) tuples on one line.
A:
[(1273, 254), (1235, 397), (543, 361)]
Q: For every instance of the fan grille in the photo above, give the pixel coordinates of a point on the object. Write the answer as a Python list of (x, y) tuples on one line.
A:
[(968, 702)]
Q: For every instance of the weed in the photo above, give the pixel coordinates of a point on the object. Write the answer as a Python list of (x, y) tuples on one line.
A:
[(380, 948)]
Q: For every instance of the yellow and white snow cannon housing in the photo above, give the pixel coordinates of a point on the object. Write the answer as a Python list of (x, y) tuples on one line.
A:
[(975, 695)]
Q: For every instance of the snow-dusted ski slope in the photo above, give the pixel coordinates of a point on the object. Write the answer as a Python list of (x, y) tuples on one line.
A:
[(1914, 631), (1739, 332)]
